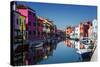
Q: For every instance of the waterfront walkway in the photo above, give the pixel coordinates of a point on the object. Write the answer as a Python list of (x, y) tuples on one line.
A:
[(94, 56)]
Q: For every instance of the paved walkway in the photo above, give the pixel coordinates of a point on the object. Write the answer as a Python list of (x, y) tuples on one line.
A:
[(94, 56)]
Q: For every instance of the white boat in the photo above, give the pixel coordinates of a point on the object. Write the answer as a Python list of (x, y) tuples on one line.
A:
[(86, 54), (81, 51)]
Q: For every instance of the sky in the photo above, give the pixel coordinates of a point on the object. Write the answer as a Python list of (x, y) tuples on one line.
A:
[(63, 15)]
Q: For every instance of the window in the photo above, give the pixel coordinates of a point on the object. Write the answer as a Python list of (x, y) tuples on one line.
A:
[(38, 33), (20, 21), (41, 25), (24, 21), (29, 13), (38, 24), (29, 23), (29, 32), (95, 27), (19, 33), (17, 21), (33, 32), (34, 24), (46, 26), (33, 14)]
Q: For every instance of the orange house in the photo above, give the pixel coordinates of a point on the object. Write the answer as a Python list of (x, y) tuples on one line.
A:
[(68, 31), (81, 30)]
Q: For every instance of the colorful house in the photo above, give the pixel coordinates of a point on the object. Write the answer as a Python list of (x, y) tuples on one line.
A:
[(40, 27), (19, 30), (77, 31), (30, 20), (22, 26), (68, 31), (45, 27), (86, 27), (16, 29), (50, 27), (85, 30), (81, 26), (90, 31)]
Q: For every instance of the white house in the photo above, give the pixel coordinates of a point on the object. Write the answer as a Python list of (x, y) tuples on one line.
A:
[(95, 27), (77, 32)]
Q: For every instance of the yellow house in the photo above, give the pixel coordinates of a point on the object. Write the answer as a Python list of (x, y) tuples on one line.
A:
[(22, 26)]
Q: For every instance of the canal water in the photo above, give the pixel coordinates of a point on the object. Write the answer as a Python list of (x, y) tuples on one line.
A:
[(49, 53), (61, 54)]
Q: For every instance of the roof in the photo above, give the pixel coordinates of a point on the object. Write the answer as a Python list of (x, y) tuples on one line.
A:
[(18, 13), (20, 6)]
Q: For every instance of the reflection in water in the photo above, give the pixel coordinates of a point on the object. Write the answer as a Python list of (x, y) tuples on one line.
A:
[(36, 54), (69, 43), (74, 44), (62, 54), (55, 51), (82, 47)]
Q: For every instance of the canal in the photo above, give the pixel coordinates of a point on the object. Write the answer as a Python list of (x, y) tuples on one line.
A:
[(50, 52), (62, 54)]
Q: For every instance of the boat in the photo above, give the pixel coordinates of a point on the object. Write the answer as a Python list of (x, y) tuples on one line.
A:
[(39, 44), (85, 54)]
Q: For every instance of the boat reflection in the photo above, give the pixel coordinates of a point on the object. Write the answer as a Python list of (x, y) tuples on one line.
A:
[(82, 48), (38, 53), (75, 44)]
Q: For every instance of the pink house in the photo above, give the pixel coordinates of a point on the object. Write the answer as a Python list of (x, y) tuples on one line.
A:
[(30, 20)]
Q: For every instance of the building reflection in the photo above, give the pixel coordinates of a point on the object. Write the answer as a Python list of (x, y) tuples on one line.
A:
[(74, 44), (69, 43), (36, 54)]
